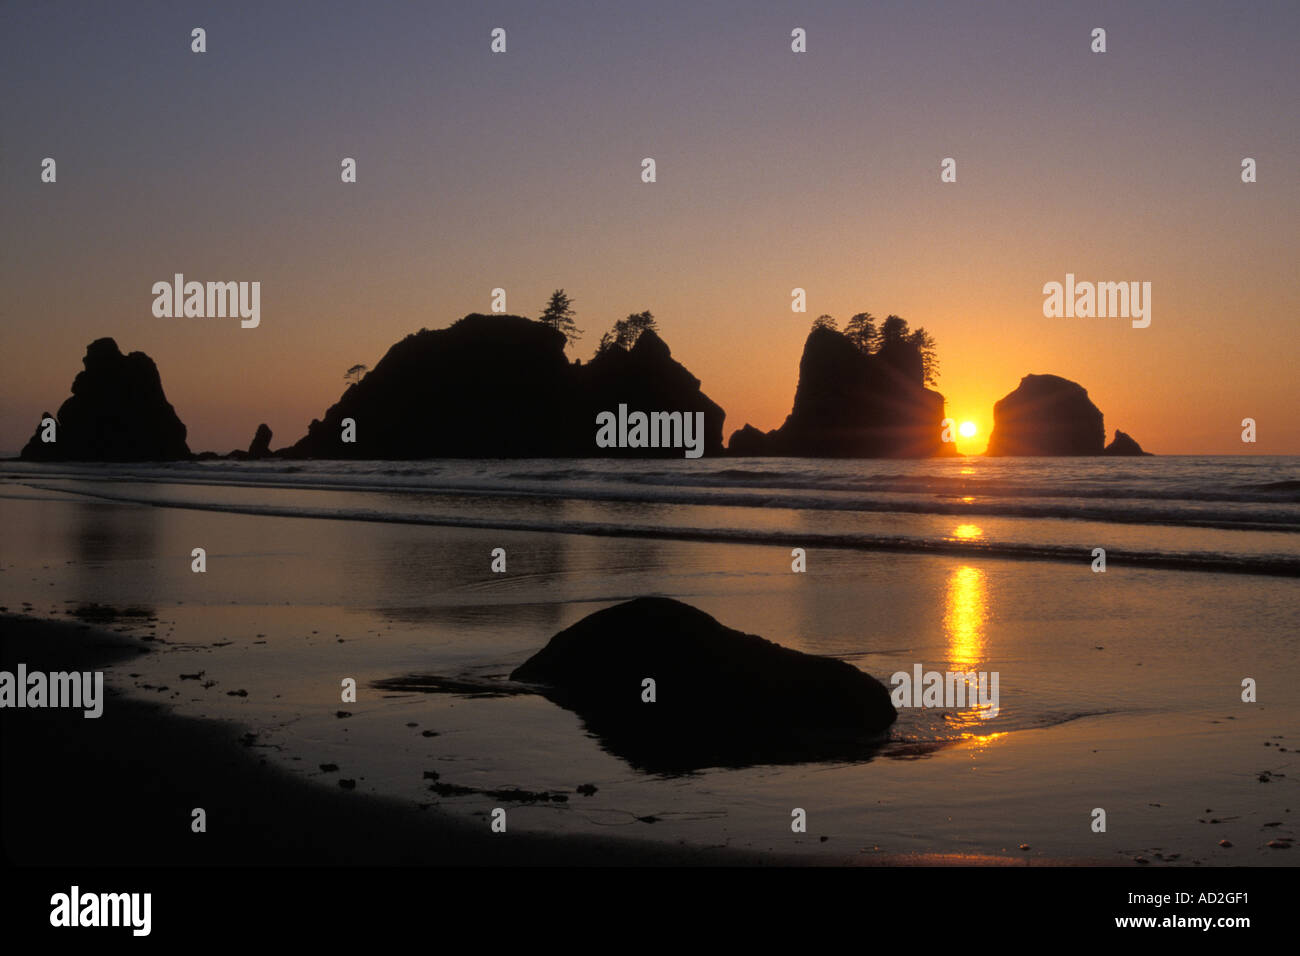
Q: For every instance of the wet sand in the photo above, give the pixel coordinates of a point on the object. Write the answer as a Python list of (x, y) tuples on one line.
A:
[(120, 790)]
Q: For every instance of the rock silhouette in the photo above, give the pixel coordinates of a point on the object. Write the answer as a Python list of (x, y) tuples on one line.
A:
[(646, 378), (117, 412), (260, 447), (1047, 415), (500, 386), (850, 404), (1124, 445), (723, 698)]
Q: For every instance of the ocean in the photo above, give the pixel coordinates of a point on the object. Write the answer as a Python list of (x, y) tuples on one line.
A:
[(1156, 511)]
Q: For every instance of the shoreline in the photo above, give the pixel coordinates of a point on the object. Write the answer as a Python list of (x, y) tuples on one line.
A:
[(77, 792), (131, 804)]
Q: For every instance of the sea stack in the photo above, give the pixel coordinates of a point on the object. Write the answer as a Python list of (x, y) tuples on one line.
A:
[(1124, 445), (260, 447), (851, 404), (500, 386), (1047, 415), (117, 412)]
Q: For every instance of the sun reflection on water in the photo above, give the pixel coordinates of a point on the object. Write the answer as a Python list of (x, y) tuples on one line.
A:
[(966, 612)]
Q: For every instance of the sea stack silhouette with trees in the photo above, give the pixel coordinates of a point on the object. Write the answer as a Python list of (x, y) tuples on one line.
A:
[(501, 386), (861, 394)]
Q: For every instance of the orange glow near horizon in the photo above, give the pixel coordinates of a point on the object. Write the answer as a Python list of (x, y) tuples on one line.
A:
[(974, 428)]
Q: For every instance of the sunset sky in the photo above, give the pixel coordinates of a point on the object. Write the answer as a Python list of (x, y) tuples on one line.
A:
[(775, 170)]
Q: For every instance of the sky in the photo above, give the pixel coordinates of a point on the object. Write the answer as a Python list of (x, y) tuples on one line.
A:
[(775, 170)]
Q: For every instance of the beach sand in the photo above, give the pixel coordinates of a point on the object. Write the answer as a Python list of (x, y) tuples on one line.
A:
[(130, 782), (120, 789)]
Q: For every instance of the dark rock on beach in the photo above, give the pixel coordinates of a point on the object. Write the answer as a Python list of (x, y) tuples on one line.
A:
[(723, 697), (850, 404), (117, 412)]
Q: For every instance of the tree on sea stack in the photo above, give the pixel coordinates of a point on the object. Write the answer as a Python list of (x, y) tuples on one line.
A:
[(627, 331), (861, 331), (893, 331), (926, 345), (558, 315)]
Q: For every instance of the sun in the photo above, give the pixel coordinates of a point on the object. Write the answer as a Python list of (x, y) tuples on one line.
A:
[(967, 430)]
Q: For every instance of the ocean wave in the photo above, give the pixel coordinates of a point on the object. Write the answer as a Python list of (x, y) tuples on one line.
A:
[(1287, 485), (1210, 561), (742, 488)]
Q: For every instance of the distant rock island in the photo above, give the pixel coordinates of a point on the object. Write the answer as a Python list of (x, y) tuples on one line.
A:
[(721, 697), (851, 404), (1049, 415), (500, 386), (258, 448), (1124, 445), (117, 412)]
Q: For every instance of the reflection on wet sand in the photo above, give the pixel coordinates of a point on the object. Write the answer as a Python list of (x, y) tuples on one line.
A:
[(965, 615)]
